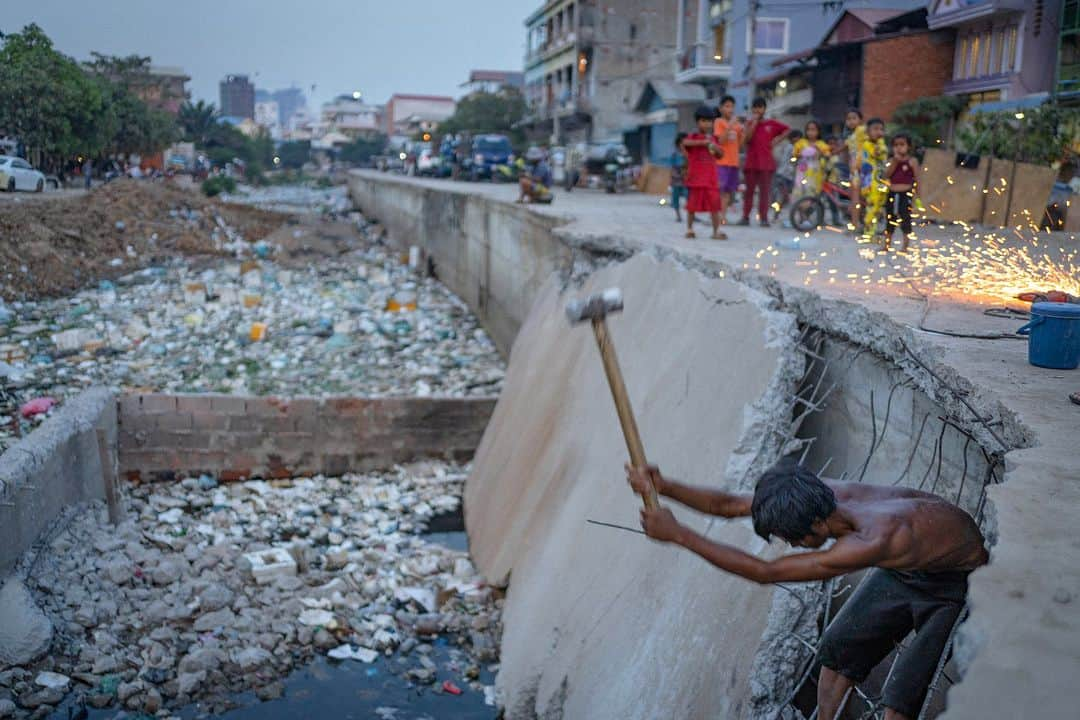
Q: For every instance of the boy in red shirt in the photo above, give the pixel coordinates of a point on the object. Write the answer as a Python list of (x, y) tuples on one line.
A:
[(702, 147), (761, 135)]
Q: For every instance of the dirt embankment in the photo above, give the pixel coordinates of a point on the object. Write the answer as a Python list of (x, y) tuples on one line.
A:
[(53, 247)]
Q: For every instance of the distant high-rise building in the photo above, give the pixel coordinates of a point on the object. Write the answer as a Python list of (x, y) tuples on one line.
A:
[(289, 100), (237, 97)]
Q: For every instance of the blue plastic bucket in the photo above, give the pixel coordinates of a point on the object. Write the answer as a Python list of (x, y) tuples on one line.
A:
[(1055, 335)]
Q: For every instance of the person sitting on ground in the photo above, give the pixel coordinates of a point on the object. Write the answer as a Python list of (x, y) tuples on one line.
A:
[(535, 180), (678, 172), (701, 149), (919, 547)]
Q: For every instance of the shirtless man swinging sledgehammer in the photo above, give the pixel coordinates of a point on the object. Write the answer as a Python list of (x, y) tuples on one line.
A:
[(921, 548)]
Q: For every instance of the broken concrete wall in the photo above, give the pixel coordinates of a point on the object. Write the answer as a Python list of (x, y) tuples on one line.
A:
[(600, 622), (56, 465), (231, 437), (494, 255)]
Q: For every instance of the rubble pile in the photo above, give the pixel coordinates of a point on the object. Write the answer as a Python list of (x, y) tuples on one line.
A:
[(314, 309), (54, 246), (293, 199), (206, 590)]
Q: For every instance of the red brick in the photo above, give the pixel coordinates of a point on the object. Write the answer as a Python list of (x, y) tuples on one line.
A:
[(157, 403), (175, 421), (193, 403), (228, 405), (905, 68), (209, 420)]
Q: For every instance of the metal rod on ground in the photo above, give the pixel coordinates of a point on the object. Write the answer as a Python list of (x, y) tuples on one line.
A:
[(108, 474)]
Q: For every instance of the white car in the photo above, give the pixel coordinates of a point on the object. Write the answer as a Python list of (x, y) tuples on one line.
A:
[(17, 174)]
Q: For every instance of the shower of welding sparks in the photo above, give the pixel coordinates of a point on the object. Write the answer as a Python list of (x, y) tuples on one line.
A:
[(994, 264)]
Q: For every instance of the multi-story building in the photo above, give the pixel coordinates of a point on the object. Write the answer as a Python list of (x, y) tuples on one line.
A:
[(406, 114), (587, 62), (266, 116), (492, 81), (237, 97), (728, 45), (289, 100), (163, 88), (352, 118), (1005, 49)]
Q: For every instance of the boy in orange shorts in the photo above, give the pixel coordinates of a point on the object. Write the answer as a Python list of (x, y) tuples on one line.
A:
[(729, 131)]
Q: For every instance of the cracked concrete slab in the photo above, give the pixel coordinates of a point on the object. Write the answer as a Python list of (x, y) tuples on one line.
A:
[(600, 622)]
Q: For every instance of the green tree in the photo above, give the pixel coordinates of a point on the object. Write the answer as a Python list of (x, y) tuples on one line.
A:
[(1041, 135), (48, 101), (928, 120), (484, 112), (196, 120), (141, 128), (294, 154), (360, 150)]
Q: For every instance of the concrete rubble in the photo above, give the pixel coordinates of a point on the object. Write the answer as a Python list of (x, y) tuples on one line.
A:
[(273, 319), (164, 609)]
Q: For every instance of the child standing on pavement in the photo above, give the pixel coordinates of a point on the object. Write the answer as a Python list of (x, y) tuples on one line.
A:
[(811, 153), (873, 187), (702, 147), (854, 137), (730, 133), (760, 137), (902, 174), (678, 172)]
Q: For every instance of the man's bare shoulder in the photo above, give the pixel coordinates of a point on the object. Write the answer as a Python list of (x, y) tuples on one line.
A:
[(868, 491)]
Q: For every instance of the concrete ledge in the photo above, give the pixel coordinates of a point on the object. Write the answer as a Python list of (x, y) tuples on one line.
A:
[(56, 465), (163, 436)]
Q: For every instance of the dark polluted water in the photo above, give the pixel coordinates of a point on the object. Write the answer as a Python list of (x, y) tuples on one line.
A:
[(351, 690)]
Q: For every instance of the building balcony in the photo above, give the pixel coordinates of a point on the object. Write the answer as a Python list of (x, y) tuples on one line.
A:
[(973, 10), (558, 46), (999, 81), (704, 73), (539, 112)]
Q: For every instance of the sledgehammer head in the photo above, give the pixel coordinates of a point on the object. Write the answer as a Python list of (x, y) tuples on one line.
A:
[(595, 307)]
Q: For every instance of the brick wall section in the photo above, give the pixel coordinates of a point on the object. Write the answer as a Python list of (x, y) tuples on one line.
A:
[(165, 436), (904, 68)]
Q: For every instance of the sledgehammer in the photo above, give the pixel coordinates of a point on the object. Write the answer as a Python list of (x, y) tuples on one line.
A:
[(596, 308)]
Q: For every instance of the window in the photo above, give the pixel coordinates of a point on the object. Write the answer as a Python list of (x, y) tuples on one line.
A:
[(973, 57), (1010, 55), (569, 18), (770, 36), (719, 48), (960, 66), (984, 56)]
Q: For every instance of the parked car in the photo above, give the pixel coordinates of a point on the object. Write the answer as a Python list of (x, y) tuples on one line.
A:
[(489, 152), (428, 163), (17, 174)]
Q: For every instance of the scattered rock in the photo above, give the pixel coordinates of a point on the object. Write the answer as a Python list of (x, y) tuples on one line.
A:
[(251, 658), (270, 692), (53, 681), (223, 618), (45, 696), (7, 709), (25, 632), (168, 571)]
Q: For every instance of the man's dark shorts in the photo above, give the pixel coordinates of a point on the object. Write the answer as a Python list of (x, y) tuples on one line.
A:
[(887, 605)]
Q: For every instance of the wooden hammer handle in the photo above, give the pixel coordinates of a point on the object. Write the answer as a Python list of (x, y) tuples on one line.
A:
[(622, 405)]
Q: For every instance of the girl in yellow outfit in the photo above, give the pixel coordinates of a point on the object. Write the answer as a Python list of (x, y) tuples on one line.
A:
[(854, 137), (872, 185), (810, 153)]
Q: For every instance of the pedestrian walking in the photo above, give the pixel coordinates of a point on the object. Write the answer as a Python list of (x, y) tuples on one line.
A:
[(760, 137), (88, 172)]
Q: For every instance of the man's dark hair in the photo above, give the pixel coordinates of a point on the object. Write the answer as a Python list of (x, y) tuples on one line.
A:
[(726, 98), (704, 112), (788, 500), (758, 102), (875, 121), (679, 137)]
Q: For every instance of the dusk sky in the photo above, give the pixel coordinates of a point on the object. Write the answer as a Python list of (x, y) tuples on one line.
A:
[(337, 45)]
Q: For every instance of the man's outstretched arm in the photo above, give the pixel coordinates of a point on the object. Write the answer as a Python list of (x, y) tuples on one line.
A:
[(706, 500), (843, 557)]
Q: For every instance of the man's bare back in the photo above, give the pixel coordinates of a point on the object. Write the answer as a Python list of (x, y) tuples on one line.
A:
[(922, 532)]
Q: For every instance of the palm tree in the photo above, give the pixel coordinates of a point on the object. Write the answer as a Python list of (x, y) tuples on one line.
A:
[(198, 120)]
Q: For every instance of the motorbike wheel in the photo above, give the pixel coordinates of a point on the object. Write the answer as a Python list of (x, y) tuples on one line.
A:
[(807, 214)]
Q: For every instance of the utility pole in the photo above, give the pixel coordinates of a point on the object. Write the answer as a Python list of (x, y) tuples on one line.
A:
[(750, 50)]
